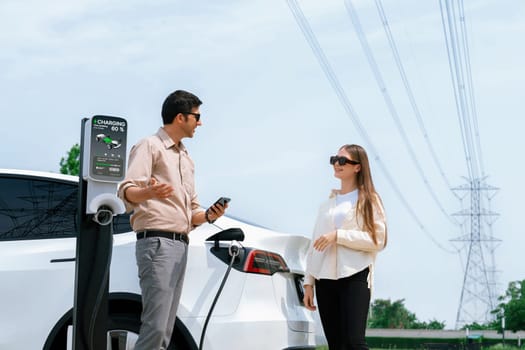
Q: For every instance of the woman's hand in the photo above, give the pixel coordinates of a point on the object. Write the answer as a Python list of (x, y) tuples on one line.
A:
[(325, 240), (308, 298)]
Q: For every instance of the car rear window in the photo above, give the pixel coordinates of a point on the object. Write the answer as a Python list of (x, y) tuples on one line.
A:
[(34, 208)]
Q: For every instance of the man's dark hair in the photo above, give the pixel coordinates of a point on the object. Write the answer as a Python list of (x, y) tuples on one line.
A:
[(177, 102)]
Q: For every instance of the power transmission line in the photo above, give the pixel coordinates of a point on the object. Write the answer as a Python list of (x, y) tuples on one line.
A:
[(354, 17), (341, 94), (478, 297), (408, 89), (459, 64), (471, 95)]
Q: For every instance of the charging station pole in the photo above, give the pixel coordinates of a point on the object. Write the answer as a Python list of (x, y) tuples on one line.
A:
[(102, 167)]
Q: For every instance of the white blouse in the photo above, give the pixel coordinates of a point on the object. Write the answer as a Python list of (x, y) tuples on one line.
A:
[(354, 249), (343, 204)]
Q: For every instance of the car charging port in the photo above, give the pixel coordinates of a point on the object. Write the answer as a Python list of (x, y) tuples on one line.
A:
[(233, 251)]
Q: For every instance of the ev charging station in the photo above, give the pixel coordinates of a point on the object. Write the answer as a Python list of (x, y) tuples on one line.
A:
[(102, 167)]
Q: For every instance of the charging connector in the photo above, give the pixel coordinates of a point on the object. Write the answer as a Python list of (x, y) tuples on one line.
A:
[(234, 251), (103, 216)]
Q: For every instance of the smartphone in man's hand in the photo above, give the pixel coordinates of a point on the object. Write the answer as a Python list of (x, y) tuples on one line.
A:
[(221, 201)]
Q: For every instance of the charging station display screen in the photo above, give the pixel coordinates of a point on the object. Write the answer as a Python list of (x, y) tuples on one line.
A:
[(108, 148)]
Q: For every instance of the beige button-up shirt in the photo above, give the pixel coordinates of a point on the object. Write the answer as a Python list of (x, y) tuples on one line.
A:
[(159, 157)]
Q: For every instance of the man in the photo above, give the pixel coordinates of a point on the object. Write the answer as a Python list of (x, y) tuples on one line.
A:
[(160, 190)]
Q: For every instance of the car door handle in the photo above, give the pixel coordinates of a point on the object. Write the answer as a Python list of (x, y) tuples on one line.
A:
[(62, 260)]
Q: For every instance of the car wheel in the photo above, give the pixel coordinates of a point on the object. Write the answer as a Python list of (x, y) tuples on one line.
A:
[(123, 332)]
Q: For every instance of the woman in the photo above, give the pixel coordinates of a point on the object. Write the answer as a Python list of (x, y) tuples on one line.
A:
[(349, 231)]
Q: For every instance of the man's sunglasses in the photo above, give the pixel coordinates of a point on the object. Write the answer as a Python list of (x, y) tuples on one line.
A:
[(196, 115), (342, 160)]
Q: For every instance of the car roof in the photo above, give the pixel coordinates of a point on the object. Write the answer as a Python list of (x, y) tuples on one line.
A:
[(40, 174), (74, 178)]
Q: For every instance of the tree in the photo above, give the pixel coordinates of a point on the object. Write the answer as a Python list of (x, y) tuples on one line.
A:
[(479, 327), (512, 307), (385, 314), (71, 163), (434, 324)]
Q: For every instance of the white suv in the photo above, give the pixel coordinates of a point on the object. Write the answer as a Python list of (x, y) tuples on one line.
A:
[(259, 308)]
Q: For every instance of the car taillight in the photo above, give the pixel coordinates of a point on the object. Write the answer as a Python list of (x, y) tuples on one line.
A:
[(252, 260), (264, 262)]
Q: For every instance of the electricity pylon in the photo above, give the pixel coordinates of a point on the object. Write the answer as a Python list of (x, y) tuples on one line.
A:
[(478, 295)]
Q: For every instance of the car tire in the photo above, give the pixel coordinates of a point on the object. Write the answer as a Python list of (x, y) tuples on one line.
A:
[(123, 330), (122, 327)]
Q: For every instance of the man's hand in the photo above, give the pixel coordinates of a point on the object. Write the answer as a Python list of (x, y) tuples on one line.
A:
[(308, 298), (216, 211), (325, 240), (136, 194), (159, 190)]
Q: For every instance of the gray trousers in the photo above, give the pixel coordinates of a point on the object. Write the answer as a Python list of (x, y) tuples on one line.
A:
[(161, 265)]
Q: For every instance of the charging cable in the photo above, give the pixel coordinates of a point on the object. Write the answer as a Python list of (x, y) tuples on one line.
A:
[(233, 250), (103, 217)]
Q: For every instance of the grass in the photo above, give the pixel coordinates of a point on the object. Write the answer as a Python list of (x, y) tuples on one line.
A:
[(494, 347)]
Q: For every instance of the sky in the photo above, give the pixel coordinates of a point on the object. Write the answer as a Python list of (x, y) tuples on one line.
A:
[(271, 118)]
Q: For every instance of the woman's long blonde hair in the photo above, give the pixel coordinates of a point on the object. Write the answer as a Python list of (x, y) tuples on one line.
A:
[(368, 197)]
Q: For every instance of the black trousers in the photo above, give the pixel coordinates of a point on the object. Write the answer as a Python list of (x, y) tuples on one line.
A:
[(343, 307)]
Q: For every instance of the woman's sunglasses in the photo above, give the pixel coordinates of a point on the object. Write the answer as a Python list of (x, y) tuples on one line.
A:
[(342, 160)]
